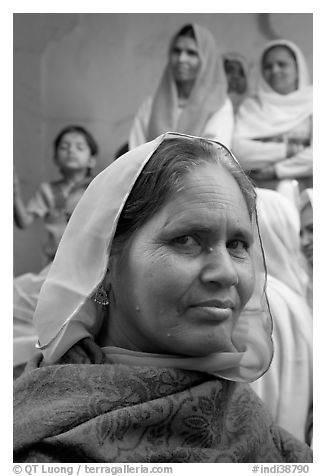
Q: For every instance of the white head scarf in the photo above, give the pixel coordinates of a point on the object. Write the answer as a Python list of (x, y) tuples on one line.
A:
[(268, 113), (306, 198), (65, 308), (207, 96)]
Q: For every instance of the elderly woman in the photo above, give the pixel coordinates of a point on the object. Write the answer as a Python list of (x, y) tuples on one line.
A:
[(192, 95), (273, 128), (286, 388), (158, 262)]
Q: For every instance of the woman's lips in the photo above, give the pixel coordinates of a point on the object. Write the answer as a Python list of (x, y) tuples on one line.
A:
[(308, 251), (182, 69), (214, 310)]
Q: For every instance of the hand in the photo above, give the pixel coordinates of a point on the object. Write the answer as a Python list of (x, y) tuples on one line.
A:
[(16, 186), (267, 173), (84, 351), (293, 148)]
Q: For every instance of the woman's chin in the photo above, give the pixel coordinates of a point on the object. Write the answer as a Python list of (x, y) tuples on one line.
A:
[(205, 349)]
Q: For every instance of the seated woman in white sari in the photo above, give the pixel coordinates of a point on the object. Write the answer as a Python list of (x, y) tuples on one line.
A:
[(286, 388), (192, 95), (161, 262), (273, 128)]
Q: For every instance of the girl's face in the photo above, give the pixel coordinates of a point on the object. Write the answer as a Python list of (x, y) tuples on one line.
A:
[(306, 233), (280, 70), (74, 153), (186, 275), (184, 59)]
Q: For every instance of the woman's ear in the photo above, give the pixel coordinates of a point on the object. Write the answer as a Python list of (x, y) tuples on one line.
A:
[(106, 283), (92, 161)]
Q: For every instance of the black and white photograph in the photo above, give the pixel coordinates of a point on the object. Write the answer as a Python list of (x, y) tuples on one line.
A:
[(162, 241)]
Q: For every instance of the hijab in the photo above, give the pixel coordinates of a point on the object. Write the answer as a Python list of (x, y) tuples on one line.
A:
[(208, 94), (268, 113), (65, 303)]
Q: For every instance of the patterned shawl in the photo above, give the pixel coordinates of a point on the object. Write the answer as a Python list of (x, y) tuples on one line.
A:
[(116, 413)]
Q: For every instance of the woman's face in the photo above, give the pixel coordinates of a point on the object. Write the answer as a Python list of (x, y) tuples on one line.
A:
[(280, 70), (184, 59), (187, 273), (235, 76), (306, 233)]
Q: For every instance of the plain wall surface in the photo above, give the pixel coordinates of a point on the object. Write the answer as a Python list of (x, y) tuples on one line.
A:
[(95, 70)]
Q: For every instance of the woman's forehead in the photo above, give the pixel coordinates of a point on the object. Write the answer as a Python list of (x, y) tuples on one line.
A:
[(307, 214), (185, 42), (75, 136), (279, 51), (208, 188)]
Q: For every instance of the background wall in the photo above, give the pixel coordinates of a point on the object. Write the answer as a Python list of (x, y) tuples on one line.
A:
[(95, 70)]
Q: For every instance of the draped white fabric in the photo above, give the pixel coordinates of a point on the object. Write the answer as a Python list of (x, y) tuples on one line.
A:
[(286, 388), (207, 96), (306, 198), (269, 114)]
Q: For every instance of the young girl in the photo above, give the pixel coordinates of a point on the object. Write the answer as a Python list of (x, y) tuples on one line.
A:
[(75, 153)]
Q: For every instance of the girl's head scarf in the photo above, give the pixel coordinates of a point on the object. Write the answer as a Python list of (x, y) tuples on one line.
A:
[(306, 198), (206, 98), (279, 224), (81, 263), (268, 113)]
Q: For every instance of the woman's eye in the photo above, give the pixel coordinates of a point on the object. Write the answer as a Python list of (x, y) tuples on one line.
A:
[(186, 242), (238, 245)]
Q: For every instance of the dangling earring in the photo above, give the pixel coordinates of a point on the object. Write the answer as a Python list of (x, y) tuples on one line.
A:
[(101, 297)]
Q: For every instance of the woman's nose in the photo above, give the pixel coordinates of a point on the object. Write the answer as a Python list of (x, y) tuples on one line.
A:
[(305, 239), (275, 68), (219, 269), (183, 56)]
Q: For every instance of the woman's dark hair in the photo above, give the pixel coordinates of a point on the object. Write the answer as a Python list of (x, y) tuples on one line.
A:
[(163, 176), (186, 30), (279, 45)]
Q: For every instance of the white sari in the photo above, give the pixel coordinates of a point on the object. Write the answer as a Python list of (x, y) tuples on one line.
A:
[(267, 121)]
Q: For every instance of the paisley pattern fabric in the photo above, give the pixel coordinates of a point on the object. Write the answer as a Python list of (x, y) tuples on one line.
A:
[(117, 413)]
